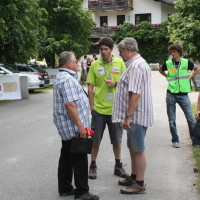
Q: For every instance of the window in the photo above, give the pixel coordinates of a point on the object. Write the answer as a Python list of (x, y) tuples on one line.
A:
[(103, 20), (120, 19), (142, 17), (94, 49)]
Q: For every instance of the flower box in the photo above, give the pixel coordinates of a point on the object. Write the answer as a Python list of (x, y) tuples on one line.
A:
[(107, 1), (94, 1), (97, 29), (115, 28)]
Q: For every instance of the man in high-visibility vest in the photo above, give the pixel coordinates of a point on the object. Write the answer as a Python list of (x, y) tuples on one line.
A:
[(177, 92)]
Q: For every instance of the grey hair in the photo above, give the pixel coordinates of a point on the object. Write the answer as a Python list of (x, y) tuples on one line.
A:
[(130, 43), (64, 57)]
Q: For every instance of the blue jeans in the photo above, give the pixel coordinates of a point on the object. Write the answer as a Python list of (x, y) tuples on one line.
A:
[(185, 104)]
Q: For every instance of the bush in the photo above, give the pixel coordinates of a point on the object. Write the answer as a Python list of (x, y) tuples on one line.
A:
[(152, 39)]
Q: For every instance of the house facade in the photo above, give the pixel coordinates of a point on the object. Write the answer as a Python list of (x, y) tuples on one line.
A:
[(108, 14)]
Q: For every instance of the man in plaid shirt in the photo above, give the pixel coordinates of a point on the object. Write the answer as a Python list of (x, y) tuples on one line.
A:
[(71, 117)]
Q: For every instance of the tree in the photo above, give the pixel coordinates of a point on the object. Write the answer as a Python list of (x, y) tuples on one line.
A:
[(184, 27), (20, 30), (152, 39), (68, 27)]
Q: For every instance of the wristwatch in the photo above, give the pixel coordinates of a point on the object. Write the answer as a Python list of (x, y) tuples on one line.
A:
[(128, 115)]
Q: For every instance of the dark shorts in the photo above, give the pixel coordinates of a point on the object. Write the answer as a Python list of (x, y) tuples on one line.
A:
[(99, 122), (135, 138)]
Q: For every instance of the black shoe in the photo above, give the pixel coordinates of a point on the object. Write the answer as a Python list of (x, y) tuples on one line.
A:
[(87, 196), (72, 192)]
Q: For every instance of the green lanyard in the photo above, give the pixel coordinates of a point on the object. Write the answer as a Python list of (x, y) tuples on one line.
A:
[(108, 75)]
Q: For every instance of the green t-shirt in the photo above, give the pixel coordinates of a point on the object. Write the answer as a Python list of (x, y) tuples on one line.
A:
[(103, 95)]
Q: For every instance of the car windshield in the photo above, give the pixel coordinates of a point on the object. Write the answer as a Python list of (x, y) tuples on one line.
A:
[(11, 68), (39, 69)]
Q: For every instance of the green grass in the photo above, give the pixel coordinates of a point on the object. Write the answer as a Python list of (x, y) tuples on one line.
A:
[(50, 87), (196, 154), (3, 101)]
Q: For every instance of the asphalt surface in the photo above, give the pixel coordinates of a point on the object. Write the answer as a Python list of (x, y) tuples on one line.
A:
[(30, 146)]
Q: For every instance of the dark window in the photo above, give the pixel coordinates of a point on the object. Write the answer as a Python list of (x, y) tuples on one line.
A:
[(37, 68), (120, 19), (142, 17), (103, 20), (94, 49), (23, 69)]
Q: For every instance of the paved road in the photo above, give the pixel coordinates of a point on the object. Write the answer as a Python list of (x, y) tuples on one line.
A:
[(29, 151)]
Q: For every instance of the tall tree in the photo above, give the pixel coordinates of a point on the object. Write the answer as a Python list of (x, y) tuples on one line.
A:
[(68, 27), (20, 30), (185, 27)]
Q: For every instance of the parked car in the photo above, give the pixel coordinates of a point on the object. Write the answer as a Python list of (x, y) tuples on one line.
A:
[(34, 81), (36, 69)]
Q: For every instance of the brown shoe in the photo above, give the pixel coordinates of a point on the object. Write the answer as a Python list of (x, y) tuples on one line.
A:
[(127, 181), (134, 189), (93, 172), (120, 171)]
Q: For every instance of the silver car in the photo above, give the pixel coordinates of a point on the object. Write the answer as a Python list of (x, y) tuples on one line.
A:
[(34, 81)]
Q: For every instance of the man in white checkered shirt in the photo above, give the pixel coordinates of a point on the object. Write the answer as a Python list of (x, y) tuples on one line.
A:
[(71, 116), (133, 106)]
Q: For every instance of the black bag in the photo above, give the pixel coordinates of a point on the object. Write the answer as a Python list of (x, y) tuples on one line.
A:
[(80, 145)]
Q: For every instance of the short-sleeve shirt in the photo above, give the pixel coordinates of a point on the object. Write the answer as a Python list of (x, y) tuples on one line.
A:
[(136, 79), (99, 71), (67, 89)]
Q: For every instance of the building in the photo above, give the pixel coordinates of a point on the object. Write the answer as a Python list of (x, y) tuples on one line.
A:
[(108, 14)]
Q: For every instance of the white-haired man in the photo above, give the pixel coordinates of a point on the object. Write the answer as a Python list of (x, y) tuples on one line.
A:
[(133, 106)]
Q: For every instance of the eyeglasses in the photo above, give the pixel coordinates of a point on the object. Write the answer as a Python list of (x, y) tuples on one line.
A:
[(102, 49)]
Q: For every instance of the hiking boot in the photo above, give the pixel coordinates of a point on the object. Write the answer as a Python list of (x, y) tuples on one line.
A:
[(134, 189), (176, 145), (120, 171), (64, 194), (87, 196), (127, 181), (93, 172)]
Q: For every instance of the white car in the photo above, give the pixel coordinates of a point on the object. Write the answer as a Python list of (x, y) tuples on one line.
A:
[(34, 81)]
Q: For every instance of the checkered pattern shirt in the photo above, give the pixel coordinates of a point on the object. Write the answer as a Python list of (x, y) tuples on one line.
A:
[(136, 79), (67, 89)]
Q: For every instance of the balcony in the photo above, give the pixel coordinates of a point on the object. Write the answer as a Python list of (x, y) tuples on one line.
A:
[(103, 5), (105, 31)]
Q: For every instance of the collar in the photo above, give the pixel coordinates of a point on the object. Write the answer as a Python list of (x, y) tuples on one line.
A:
[(102, 61), (128, 62), (67, 70)]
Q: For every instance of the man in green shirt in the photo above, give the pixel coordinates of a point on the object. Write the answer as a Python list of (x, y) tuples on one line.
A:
[(103, 76)]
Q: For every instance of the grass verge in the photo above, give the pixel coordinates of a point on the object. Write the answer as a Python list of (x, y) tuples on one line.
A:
[(3, 101), (42, 89), (196, 155)]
